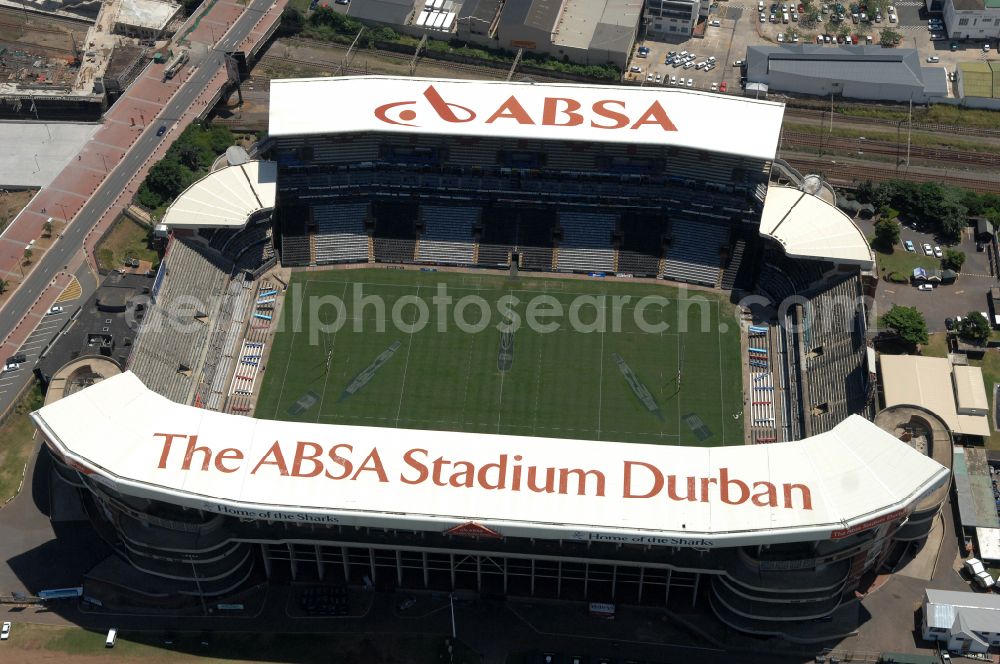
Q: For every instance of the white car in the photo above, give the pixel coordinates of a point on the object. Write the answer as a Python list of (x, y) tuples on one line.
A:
[(937, 252), (56, 310), (781, 38), (986, 48), (925, 287), (659, 78), (649, 78), (11, 366), (690, 83), (715, 87), (716, 23), (933, 58), (5, 632), (928, 250), (673, 80), (762, 19), (635, 69)]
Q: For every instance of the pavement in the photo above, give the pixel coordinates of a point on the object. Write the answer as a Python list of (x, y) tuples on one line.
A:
[(90, 193), (36, 152)]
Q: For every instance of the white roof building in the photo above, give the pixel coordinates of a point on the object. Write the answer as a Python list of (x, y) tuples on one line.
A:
[(829, 486), (956, 394), (226, 198), (809, 227), (567, 112), (964, 621)]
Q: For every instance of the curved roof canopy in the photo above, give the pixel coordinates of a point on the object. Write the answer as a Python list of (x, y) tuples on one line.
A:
[(543, 111), (827, 486), (225, 198), (809, 227)]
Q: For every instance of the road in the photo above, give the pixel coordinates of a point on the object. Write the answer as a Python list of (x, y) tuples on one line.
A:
[(20, 303)]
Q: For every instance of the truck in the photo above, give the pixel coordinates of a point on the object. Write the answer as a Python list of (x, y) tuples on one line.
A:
[(978, 573)]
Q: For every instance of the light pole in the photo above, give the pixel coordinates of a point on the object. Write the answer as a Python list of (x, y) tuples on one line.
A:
[(860, 138), (37, 167), (105, 163), (451, 602), (65, 216)]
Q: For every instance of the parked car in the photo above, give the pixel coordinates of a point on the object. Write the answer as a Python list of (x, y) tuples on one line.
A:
[(673, 80), (635, 69), (928, 250), (56, 310), (925, 287), (949, 323), (908, 244), (933, 58), (715, 87), (5, 631), (722, 86), (937, 252), (737, 63), (986, 48), (690, 82), (716, 23), (659, 77), (643, 51), (781, 38)]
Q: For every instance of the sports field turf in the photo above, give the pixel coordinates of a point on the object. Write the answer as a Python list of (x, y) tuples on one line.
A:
[(617, 384)]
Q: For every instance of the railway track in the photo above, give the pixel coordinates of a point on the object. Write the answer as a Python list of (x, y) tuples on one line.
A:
[(938, 155), (817, 115), (848, 174), (493, 73)]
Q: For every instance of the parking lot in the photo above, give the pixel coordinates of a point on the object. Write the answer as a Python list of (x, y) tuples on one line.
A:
[(740, 27)]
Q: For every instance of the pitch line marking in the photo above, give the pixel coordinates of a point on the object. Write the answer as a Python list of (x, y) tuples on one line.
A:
[(288, 359), (328, 352), (600, 379), (406, 366)]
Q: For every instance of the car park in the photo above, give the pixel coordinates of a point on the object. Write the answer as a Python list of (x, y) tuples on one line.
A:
[(908, 245), (928, 250)]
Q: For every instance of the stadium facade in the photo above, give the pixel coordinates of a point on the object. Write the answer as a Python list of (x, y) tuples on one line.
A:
[(647, 182)]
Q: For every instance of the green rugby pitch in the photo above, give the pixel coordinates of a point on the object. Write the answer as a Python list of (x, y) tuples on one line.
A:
[(567, 383)]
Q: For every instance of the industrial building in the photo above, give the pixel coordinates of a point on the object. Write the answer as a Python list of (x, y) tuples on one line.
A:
[(672, 18), (961, 621), (979, 84), (853, 72), (582, 31), (972, 19), (146, 19)]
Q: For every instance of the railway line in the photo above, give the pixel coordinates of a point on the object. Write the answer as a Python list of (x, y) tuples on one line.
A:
[(819, 115), (938, 155), (850, 173)]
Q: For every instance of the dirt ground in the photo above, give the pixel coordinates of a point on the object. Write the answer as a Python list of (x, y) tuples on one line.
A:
[(12, 202)]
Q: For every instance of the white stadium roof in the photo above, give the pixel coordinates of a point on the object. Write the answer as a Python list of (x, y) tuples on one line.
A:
[(225, 198), (830, 485), (809, 227), (573, 112)]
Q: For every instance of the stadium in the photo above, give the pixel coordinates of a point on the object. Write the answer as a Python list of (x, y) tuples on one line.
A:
[(508, 339)]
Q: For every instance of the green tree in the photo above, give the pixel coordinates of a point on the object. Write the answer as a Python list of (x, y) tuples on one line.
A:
[(889, 37), (166, 178), (953, 219), (907, 322), (47, 229), (974, 327), (292, 20), (28, 254), (190, 156), (887, 234), (953, 259), (3, 286)]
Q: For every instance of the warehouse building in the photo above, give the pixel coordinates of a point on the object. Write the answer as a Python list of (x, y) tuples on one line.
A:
[(853, 72), (583, 31), (972, 19)]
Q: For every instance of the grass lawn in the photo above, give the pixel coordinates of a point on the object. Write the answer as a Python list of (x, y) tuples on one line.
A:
[(16, 442), (990, 365), (70, 645), (125, 239), (567, 383), (902, 261), (301, 5)]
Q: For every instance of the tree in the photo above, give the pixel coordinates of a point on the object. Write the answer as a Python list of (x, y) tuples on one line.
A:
[(47, 229), (28, 253), (953, 259), (953, 219), (908, 323), (3, 286), (887, 234), (974, 327), (166, 178), (889, 37), (292, 20)]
